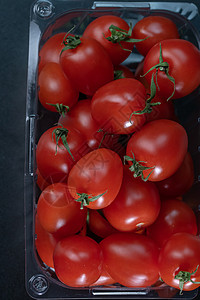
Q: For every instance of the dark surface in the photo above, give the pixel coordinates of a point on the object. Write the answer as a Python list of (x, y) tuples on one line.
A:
[(14, 24)]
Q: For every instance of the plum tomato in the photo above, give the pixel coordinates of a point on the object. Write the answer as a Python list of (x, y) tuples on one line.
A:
[(113, 104), (53, 159), (112, 32), (160, 146), (180, 61), (87, 65), (175, 216), (96, 178), (58, 212), (153, 29), (55, 88), (131, 259), (50, 51), (137, 204), (78, 261), (179, 261)]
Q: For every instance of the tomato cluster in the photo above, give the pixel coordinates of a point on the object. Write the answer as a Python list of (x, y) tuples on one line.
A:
[(113, 170)]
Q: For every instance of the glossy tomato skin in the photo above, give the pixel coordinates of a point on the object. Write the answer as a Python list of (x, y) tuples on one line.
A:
[(162, 145), (55, 167), (180, 182), (104, 279), (98, 172), (137, 204), (99, 30), (99, 225), (81, 119), (78, 261), (88, 66), (175, 216), (131, 259), (57, 211), (184, 63), (55, 87), (121, 97), (180, 253), (155, 29), (50, 51), (45, 243)]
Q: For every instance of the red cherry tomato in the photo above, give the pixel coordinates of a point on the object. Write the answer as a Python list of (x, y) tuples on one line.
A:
[(57, 211), (153, 29), (160, 145), (175, 216), (55, 87), (99, 225), (136, 205), (180, 182), (113, 104), (131, 259), (88, 66), (78, 261), (81, 119), (180, 254), (99, 30), (45, 243), (183, 59), (97, 173), (50, 51), (54, 161)]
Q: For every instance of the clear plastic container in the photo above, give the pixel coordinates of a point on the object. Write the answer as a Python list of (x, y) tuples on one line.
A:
[(46, 19)]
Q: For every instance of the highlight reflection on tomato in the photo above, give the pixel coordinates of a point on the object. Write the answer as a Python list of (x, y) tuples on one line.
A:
[(131, 259), (97, 173), (58, 212), (156, 145), (137, 204), (78, 261)]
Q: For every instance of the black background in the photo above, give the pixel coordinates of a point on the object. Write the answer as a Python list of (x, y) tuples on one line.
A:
[(14, 33)]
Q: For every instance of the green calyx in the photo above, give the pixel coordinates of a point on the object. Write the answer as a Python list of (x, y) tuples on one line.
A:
[(163, 67), (183, 277), (61, 108), (85, 199), (70, 42), (118, 35), (104, 135), (61, 133), (149, 105), (118, 74), (137, 168)]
